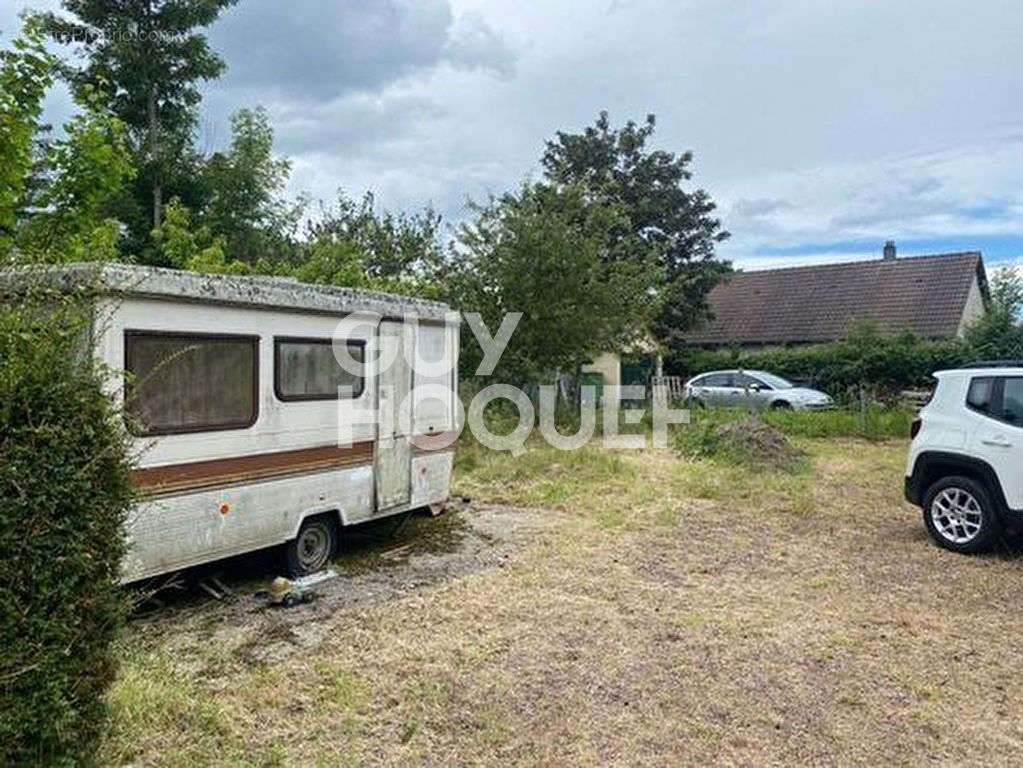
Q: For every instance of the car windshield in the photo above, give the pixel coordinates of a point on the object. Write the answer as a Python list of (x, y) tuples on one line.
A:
[(774, 382)]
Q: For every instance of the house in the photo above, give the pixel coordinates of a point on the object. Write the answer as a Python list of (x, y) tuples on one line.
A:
[(608, 365), (935, 296)]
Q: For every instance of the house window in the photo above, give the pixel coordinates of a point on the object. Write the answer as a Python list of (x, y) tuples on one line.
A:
[(185, 382), (306, 369)]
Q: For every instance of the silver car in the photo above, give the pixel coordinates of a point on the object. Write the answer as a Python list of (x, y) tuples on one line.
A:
[(754, 390)]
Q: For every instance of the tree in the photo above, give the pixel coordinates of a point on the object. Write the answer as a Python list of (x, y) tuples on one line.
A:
[(244, 187), (25, 76), (184, 245), (55, 195), (351, 245), (65, 492), (82, 174), (998, 334), (150, 58), (558, 259), (615, 166), (393, 246)]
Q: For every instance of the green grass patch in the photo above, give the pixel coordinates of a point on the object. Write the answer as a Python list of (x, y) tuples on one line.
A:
[(872, 423), (541, 476)]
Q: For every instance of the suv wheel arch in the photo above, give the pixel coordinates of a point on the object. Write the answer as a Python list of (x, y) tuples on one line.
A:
[(932, 466)]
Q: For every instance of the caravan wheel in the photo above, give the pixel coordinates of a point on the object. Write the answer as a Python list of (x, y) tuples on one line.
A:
[(312, 549)]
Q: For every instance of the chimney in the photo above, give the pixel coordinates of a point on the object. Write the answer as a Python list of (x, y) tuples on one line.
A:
[(889, 251)]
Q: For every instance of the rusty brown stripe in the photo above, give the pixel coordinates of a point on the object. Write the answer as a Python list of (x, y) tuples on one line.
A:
[(195, 475)]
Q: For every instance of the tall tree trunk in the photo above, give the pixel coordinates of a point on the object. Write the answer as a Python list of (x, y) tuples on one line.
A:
[(154, 158)]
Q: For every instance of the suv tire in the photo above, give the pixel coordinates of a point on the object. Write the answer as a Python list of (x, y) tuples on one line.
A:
[(960, 514)]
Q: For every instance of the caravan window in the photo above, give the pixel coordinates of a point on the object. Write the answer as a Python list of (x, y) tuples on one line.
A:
[(306, 369), (190, 382)]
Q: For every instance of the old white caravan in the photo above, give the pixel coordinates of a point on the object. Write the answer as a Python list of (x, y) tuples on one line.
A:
[(232, 388)]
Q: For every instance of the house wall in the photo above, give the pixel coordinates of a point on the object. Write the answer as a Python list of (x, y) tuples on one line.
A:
[(609, 364), (974, 308)]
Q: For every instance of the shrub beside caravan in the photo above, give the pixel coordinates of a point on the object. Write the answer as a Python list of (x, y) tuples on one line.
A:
[(231, 388)]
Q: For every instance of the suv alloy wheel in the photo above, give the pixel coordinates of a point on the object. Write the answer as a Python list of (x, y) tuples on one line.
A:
[(960, 515)]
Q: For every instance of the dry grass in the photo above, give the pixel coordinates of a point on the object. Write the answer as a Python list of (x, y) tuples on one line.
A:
[(670, 613)]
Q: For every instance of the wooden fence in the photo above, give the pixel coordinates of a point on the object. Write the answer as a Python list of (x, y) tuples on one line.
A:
[(666, 389)]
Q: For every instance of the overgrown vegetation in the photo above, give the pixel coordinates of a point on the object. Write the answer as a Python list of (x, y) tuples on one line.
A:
[(999, 334), (737, 437), (866, 363), (633, 609), (64, 494), (745, 441)]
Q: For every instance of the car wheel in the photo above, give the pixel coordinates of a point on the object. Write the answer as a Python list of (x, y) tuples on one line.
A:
[(781, 405), (697, 403), (960, 515), (312, 548)]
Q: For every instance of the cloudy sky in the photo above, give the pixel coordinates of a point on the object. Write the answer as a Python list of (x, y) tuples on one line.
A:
[(821, 127)]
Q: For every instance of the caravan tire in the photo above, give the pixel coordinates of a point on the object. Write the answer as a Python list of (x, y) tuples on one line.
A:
[(312, 548)]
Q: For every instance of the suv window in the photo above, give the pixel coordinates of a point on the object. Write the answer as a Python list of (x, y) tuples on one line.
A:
[(981, 394), (1012, 401), (999, 397)]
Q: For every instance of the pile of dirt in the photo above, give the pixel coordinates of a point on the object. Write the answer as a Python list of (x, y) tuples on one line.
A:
[(756, 444), (748, 442)]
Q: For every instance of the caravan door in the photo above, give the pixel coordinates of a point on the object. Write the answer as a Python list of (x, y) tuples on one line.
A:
[(392, 453)]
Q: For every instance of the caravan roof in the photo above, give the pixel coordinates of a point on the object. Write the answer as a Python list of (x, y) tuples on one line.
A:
[(238, 290)]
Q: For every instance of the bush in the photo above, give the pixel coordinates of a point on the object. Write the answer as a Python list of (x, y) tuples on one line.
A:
[(64, 494), (867, 362)]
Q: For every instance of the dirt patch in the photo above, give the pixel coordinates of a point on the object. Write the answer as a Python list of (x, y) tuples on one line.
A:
[(377, 563)]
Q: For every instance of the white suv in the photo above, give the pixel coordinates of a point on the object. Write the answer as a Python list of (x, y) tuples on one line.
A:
[(965, 466)]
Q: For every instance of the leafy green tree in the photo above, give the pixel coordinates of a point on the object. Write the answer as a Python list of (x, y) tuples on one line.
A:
[(350, 245), (998, 335), (614, 165), (84, 172), (54, 202), (184, 245), (25, 76), (150, 57), (244, 187), (392, 246), (556, 258)]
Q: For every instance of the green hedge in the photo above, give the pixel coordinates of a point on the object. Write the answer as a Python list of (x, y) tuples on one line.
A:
[(870, 362), (64, 494)]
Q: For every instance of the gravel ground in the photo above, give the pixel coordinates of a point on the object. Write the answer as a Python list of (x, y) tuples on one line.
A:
[(375, 565)]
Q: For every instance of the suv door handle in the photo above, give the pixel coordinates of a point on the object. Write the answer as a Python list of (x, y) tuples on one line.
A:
[(998, 442)]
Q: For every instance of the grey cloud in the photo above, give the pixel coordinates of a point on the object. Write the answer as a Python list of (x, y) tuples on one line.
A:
[(898, 198), (474, 45), (744, 208), (355, 123), (309, 49)]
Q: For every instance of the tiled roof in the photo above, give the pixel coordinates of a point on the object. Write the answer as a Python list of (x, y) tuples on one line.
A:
[(924, 294)]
